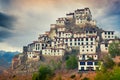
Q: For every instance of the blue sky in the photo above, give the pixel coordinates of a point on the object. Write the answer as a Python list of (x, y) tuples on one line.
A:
[(21, 21)]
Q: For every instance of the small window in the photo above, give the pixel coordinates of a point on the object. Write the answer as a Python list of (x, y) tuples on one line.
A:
[(66, 40), (89, 63), (82, 63), (82, 39), (75, 44), (75, 39), (86, 39), (105, 33), (91, 43), (91, 49), (91, 39), (86, 43), (96, 63), (112, 33), (82, 43), (82, 68)]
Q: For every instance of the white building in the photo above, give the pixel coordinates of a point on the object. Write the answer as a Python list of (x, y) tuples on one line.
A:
[(104, 46), (88, 65), (53, 52), (34, 55), (60, 21), (108, 35), (64, 34)]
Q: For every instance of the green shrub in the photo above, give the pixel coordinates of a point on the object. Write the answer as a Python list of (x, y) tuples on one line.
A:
[(71, 63), (44, 73)]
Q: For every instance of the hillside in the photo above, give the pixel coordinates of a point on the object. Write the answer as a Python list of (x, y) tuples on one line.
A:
[(5, 59)]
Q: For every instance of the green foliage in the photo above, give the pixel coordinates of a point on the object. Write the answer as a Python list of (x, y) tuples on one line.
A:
[(35, 76), (108, 62), (56, 65), (113, 74), (44, 73), (71, 63), (72, 76), (114, 49)]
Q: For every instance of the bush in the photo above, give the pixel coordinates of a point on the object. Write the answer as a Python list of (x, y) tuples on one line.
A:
[(112, 74), (71, 63), (44, 73), (108, 62)]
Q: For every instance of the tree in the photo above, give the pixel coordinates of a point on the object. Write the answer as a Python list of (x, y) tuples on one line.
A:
[(114, 49), (108, 62), (113, 74), (44, 73), (71, 63)]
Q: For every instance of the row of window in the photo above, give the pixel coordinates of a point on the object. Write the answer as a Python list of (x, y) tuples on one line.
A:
[(89, 63), (109, 36), (79, 39), (87, 50), (109, 33), (89, 68), (81, 44)]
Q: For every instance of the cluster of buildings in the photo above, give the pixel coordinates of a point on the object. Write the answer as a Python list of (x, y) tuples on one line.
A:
[(90, 42)]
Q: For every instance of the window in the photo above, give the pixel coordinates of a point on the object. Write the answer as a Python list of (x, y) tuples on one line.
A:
[(82, 43), (82, 63), (82, 68), (75, 44), (91, 46), (70, 39), (86, 39), (112, 33), (75, 39), (96, 63), (87, 50), (89, 63), (91, 50), (105, 33), (70, 44), (78, 43), (86, 43), (91, 39), (66, 40), (82, 39), (78, 39), (106, 45), (108, 36), (109, 33), (91, 43)]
